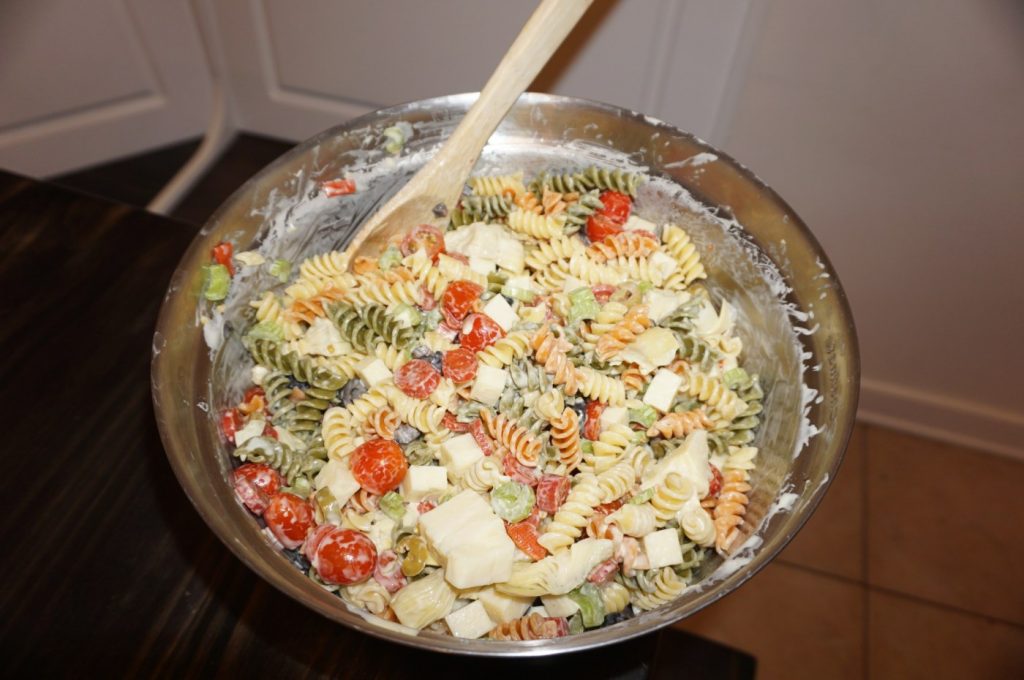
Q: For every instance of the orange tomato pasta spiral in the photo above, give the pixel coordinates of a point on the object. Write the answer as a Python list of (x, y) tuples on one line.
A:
[(382, 423), (549, 351), (730, 508), (532, 627), (623, 244), (680, 424), (621, 334), (565, 436), (516, 439)]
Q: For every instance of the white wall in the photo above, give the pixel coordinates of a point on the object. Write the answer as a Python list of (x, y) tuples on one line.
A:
[(84, 82), (894, 128)]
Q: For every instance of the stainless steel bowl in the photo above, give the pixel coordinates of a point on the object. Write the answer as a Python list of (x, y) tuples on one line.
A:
[(795, 321)]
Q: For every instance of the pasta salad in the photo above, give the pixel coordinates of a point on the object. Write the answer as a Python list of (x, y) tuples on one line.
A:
[(528, 424)]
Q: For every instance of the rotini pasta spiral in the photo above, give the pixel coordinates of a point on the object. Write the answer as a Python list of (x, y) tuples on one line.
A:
[(614, 597), (616, 482), (484, 474), (565, 436), (531, 627), (453, 270), (516, 439), (382, 423), (481, 209), (730, 508), (513, 346), (429, 276), (667, 587), (385, 326), (615, 180), (713, 393), (609, 447), (549, 351), (635, 322), (340, 436), (680, 424), (570, 519), (498, 185), (298, 469), (269, 354), (600, 387), (558, 248), (352, 326), (680, 247), (324, 266), (422, 415), (370, 595), (670, 495), (622, 244), (534, 225), (592, 273), (635, 520)]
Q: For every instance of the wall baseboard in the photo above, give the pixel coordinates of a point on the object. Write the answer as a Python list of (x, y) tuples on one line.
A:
[(956, 421)]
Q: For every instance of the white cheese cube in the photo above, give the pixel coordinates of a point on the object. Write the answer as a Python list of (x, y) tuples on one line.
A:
[(559, 605), (662, 548), (258, 373), (459, 453), (635, 223), (338, 479), (373, 371), (470, 622), (662, 390), (424, 480), (501, 607), (501, 311), (489, 384), (614, 415), (482, 561), (254, 428)]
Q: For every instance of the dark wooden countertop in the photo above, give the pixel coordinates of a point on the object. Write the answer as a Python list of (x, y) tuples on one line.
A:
[(106, 567)]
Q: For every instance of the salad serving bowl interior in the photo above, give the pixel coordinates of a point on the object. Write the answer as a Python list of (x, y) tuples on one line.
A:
[(793, 318)]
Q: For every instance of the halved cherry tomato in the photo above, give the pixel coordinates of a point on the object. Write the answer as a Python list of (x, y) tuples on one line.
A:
[(222, 253), (617, 206), (592, 426), (599, 227), (525, 534), (342, 556), (602, 292), (254, 484), (427, 299), (452, 423), (476, 428), (230, 422), (388, 572), (424, 237), (289, 518), (459, 365), (552, 491), (338, 187), (480, 331), (715, 486), (457, 301), (417, 378), (426, 505), (378, 465)]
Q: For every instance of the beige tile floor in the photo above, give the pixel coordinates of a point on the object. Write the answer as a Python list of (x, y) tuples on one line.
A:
[(912, 567)]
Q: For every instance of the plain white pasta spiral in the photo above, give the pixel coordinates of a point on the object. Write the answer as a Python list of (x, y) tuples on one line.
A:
[(497, 185), (713, 393), (422, 415), (570, 519), (670, 495), (483, 475), (370, 595), (741, 458), (391, 356), (616, 482), (341, 437), (681, 248), (344, 365), (325, 265), (600, 387), (667, 587), (384, 293), (513, 346), (635, 520), (453, 270), (696, 523), (592, 273), (614, 596), (534, 225), (558, 248), (637, 269), (429, 276)]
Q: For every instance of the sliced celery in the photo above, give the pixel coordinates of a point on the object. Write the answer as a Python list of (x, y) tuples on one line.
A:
[(282, 269), (216, 280), (393, 506), (582, 305), (389, 258)]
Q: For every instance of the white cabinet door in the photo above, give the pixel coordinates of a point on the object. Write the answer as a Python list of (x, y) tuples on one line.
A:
[(86, 82)]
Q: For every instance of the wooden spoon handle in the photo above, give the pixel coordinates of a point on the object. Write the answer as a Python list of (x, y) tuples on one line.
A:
[(550, 23)]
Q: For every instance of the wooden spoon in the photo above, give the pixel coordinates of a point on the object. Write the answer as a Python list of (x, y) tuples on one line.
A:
[(440, 181)]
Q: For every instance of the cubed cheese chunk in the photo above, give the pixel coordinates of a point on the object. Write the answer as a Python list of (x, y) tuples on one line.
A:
[(338, 479), (459, 453), (501, 311), (614, 415), (423, 480), (470, 541), (373, 371), (489, 384), (559, 605), (635, 223), (470, 622), (662, 548), (501, 607), (662, 390)]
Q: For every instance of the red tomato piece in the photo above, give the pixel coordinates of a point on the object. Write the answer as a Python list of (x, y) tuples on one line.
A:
[(222, 253), (600, 227), (617, 206), (454, 424), (524, 534), (424, 237), (517, 471), (476, 428), (269, 431), (378, 465), (338, 187), (342, 556), (604, 572), (417, 378), (715, 486), (602, 292), (426, 505), (255, 484), (459, 365), (592, 424), (457, 301), (447, 331), (230, 423), (479, 332), (388, 572), (551, 492), (458, 256), (289, 518), (609, 508)]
